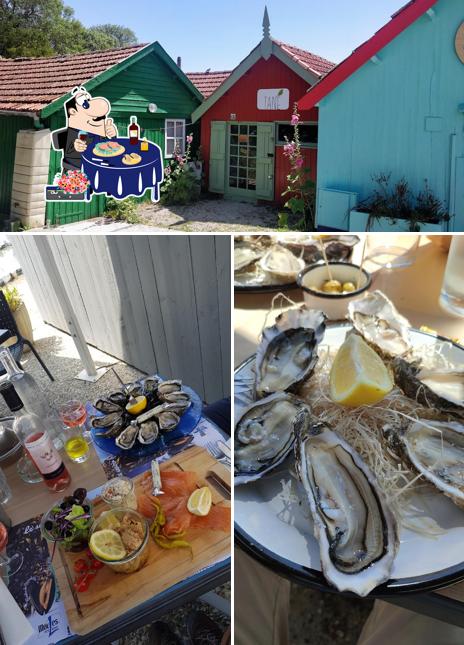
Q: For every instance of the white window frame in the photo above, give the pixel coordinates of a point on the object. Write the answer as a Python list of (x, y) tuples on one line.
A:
[(175, 123)]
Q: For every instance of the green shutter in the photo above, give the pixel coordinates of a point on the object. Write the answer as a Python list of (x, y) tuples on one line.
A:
[(217, 158), (265, 161)]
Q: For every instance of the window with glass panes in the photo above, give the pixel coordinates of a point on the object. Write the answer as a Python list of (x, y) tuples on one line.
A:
[(175, 137), (242, 156)]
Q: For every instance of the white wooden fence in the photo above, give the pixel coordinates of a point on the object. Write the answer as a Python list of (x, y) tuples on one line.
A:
[(160, 303)]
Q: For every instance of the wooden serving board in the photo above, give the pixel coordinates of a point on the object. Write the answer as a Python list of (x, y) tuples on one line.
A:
[(112, 594)]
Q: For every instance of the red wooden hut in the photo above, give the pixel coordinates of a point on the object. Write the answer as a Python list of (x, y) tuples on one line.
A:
[(245, 119)]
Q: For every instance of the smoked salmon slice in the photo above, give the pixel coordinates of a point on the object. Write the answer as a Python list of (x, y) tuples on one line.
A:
[(178, 486)]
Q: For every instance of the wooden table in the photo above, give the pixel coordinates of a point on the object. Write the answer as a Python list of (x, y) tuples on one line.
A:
[(415, 291), (30, 500)]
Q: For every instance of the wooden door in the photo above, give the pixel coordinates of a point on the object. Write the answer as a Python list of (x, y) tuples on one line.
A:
[(265, 161), (217, 158)]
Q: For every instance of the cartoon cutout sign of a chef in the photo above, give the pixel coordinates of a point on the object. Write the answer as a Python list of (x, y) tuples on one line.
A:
[(85, 115), (93, 158)]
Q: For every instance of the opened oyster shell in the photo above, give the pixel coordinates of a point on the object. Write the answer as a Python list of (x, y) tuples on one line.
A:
[(245, 255), (166, 387), (356, 531), (436, 450), (148, 432), (265, 433), (376, 318), (168, 421), (282, 263), (127, 437), (287, 353), (442, 389)]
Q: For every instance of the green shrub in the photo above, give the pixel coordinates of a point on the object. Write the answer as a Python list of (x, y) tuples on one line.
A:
[(13, 298), (125, 210), (180, 184)]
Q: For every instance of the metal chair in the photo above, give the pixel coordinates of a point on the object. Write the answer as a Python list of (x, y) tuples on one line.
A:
[(8, 322)]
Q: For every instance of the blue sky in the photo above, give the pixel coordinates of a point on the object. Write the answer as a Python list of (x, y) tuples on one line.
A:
[(219, 34)]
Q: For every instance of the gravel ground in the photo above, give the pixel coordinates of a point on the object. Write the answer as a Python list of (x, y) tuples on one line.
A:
[(207, 215), (318, 618), (60, 355), (210, 215)]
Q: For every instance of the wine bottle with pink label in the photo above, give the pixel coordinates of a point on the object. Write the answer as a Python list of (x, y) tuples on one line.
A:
[(33, 434)]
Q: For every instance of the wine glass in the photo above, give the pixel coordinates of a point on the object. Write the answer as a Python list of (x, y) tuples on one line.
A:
[(73, 414), (9, 565)]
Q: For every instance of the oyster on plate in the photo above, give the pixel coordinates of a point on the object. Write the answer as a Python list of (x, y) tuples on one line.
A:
[(127, 438), (356, 530), (287, 353), (245, 255), (106, 406), (166, 387), (442, 389), (177, 397), (282, 263), (265, 433), (376, 318), (168, 420), (435, 449), (148, 432)]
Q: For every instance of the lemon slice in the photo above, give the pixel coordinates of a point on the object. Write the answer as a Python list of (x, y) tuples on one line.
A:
[(137, 407), (199, 502), (107, 545), (358, 375), (109, 521)]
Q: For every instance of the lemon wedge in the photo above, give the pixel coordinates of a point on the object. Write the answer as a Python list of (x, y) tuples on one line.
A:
[(109, 521), (199, 502), (358, 375), (137, 407), (107, 545)]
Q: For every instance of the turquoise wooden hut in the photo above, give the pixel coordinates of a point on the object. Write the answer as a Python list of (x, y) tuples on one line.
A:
[(396, 105), (140, 80)]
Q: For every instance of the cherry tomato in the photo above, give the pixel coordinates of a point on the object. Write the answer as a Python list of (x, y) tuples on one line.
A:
[(96, 564), (80, 565), (81, 584)]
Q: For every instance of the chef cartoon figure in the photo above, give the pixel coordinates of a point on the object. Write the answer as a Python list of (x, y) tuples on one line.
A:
[(87, 125)]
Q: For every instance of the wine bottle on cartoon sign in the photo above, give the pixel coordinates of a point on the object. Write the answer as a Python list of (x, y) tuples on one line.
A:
[(33, 435), (134, 131)]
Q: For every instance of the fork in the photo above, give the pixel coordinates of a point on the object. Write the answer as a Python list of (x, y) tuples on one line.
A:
[(216, 452)]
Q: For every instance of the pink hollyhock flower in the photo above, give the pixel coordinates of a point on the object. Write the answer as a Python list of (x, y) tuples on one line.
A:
[(289, 149), (167, 171), (299, 162), (295, 119), (189, 138)]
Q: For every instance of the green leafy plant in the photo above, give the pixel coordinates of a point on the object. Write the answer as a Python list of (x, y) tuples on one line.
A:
[(398, 203), (125, 210), (180, 185), (13, 298), (301, 190)]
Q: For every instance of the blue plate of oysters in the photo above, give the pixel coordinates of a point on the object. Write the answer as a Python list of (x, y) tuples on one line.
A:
[(143, 417)]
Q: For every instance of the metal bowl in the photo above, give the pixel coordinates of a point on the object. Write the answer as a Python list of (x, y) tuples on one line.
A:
[(10, 446)]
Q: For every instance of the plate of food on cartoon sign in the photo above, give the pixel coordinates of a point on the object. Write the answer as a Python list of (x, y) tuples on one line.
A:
[(264, 263), (349, 452)]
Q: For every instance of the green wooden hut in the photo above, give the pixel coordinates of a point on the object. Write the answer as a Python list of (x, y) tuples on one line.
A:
[(140, 80)]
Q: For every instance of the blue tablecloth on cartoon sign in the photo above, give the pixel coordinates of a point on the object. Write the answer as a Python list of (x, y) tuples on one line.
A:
[(109, 175)]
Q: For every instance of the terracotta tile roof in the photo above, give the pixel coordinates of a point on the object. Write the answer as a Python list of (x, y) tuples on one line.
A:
[(208, 82), (320, 66), (30, 84)]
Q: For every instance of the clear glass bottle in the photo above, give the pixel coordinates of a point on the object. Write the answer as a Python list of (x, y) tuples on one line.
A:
[(32, 433), (31, 395)]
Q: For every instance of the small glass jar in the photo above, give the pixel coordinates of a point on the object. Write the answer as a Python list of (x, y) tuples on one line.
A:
[(137, 558), (80, 539), (120, 492)]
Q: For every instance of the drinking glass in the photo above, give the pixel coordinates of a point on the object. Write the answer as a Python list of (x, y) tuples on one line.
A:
[(5, 490), (9, 565), (27, 470), (392, 251), (73, 414), (452, 292)]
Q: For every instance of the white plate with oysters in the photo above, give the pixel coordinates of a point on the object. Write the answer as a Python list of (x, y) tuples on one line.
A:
[(364, 500), (272, 263)]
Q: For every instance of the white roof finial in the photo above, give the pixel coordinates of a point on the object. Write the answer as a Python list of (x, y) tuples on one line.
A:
[(266, 24)]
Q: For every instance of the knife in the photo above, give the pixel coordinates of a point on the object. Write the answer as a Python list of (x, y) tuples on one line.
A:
[(71, 586), (224, 448)]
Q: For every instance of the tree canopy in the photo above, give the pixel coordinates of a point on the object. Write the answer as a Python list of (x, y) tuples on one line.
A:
[(48, 27)]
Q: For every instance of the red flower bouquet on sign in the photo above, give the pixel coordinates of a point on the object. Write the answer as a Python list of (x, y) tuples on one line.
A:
[(74, 182)]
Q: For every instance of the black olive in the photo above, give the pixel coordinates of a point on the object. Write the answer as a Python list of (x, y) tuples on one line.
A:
[(48, 525), (80, 494), (68, 500), (64, 506), (86, 508), (68, 534)]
